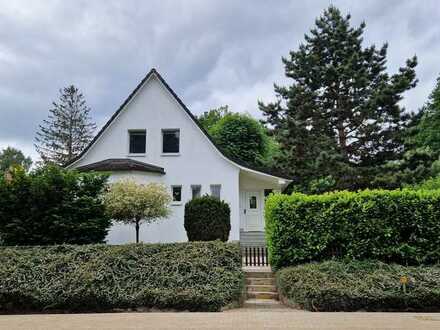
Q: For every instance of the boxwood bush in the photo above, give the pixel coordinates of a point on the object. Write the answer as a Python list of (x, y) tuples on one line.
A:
[(360, 285), (401, 226), (207, 219), (201, 276)]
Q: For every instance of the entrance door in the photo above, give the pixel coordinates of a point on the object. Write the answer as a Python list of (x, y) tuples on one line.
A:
[(253, 216)]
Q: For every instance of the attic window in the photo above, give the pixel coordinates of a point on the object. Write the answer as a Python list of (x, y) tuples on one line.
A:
[(170, 141), (137, 141)]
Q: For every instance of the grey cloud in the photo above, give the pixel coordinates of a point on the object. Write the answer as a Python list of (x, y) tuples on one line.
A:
[(211, 52)]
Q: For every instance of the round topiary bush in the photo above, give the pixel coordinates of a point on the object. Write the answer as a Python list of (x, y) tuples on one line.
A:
[(207, 219)]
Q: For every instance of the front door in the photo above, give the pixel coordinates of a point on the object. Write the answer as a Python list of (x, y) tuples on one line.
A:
[(253, 215)]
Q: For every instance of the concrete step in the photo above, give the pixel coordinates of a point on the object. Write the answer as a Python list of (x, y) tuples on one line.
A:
[(262, 295), (261, 288), (263, 304), (260, 281), (254, 274)]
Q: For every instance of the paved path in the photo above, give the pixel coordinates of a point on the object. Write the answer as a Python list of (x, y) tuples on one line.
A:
[(235, 319)]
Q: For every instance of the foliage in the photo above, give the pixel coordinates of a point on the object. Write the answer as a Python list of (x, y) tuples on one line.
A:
[(241, 137), (209, 118), (183, 276), (360, 285), (132, 203), (429, 184), (52, 206), (401, 226), (340, 116), (207, 219), (426, 131), (68, 129), (11, 157)]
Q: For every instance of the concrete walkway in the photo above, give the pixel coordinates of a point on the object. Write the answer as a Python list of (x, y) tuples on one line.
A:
[(234, 319)]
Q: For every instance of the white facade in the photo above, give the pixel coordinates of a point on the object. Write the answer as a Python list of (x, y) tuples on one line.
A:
[(155, 107)]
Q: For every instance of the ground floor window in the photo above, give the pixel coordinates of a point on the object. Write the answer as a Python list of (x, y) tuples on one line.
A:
[(177, 193), (215, 190), (196, 190)]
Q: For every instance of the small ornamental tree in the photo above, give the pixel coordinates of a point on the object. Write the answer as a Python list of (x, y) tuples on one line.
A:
[(207, 219), (132, 203)]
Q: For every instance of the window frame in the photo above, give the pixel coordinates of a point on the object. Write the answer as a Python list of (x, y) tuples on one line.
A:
[(139, 154), (164, 153), (192, 190), (220, 190), (176, 202)]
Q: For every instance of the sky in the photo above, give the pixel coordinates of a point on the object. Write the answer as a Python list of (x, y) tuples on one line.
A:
[(212, 53)]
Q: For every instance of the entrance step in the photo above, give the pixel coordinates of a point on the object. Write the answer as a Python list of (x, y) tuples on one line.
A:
[(261, 291), (260, 281), (262, 295), (263, 304)]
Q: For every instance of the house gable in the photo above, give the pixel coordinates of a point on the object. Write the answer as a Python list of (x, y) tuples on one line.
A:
[(153, 75)]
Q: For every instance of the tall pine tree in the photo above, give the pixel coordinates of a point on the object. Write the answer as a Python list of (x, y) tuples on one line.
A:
[(68, 129), (339, 120)]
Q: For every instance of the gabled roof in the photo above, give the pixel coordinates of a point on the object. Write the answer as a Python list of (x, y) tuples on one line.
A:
[(153, 71), (122, 164)]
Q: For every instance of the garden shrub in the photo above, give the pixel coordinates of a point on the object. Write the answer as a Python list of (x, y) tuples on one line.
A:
[(401, 226), (200, 276), (52, 206), (360, 285), (207, 219)]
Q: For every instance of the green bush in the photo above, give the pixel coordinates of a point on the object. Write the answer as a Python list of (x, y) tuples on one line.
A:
[(201, 276), (207, 219), (401, 226), (356, 285), (52, 206)]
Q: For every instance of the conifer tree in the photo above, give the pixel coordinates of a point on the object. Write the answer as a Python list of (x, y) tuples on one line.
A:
[(68, 129), (340, 118)]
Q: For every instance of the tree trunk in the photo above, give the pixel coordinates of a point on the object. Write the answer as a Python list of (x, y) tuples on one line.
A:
[(137, 230)]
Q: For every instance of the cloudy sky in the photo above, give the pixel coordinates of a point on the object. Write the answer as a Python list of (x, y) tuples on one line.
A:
[(211, 52)]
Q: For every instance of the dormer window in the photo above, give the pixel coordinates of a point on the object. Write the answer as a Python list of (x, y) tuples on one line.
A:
[(170, 141), (138, 140)]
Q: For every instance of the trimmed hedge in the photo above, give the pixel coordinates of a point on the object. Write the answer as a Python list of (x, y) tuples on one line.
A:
[(183, 276), (360, 285), (207, 219), (401, 226)]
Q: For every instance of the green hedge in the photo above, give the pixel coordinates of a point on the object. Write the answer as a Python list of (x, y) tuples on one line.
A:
[(360, 285), (52, 205), (183, 276), (401, 226), (207, 219)]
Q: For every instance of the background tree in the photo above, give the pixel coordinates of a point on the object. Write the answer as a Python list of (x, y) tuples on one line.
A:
[(13, 157), (242, 137), (339, 118), (209, 118), (68, 129), (426, 128), (132, 203)]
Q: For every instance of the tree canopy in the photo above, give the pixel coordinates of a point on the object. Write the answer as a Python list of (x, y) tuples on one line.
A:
[(13, 157), (68, 129), (132, 203), (339, 118)]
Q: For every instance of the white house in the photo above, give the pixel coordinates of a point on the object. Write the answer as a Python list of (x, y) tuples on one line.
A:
[(153, 137)]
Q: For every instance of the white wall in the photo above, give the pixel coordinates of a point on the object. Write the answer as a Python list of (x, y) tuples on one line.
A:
[(153, 108)]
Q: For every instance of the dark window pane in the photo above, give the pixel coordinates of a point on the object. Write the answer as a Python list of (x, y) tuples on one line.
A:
[(215, 190), (196, 191), (267, 192), (137, 142), (171, 141), (177, 193), (253, 202)]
